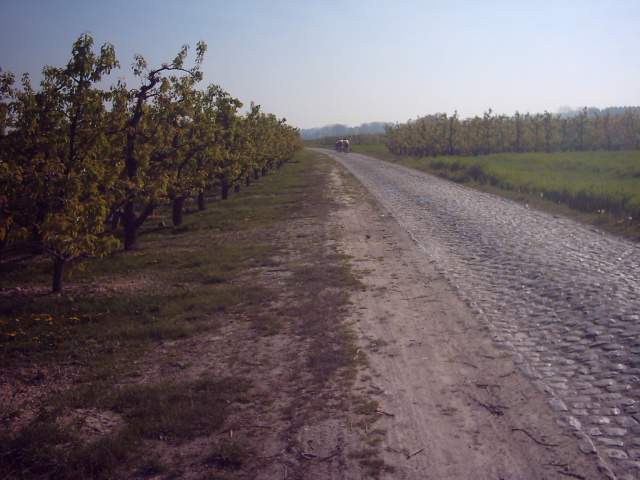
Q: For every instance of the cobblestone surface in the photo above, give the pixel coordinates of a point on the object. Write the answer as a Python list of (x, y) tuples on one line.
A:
[(563, 297)]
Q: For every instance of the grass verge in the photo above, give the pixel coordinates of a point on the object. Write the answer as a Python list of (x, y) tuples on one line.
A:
[(166, 347), (598, 188)]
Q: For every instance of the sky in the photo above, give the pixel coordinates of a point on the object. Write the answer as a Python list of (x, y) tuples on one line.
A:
[(353, 61)]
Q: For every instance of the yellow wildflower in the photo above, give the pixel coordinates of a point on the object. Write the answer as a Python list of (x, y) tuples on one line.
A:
[(43, 317)]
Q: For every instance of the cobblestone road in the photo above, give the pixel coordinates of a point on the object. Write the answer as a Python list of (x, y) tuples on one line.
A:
[(564, 297)]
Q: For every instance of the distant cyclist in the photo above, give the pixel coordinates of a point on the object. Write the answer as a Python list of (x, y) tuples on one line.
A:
[(342, 145)]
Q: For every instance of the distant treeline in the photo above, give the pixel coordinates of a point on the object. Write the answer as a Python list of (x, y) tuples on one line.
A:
[(589, 129), (366, 139), (340, 130)]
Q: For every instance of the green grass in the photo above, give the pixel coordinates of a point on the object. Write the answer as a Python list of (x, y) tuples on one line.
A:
[(112, 321), (180, 283), (603, 186), (178, 279), (45, 450), (178, 411), (320, 314), (228, 455)]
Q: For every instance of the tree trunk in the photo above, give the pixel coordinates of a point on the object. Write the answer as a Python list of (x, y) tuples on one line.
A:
[(132, 223), (130, 227), (36, 237), (58, 270), (115, 220), (256, 174), (130, 237), (202, 205), (224, 188), (178, 204), (236, 188), (3, 244)]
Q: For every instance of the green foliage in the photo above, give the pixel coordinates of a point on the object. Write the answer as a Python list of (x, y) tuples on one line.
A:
[(75, 157), (60, 186), (440, 134)]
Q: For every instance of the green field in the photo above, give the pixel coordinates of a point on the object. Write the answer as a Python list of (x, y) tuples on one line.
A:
[(601, 187)]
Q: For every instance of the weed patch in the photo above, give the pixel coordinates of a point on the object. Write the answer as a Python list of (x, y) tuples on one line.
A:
[(180, 411), (228, 455)]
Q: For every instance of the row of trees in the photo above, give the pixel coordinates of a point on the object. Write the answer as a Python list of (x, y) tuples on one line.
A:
[(441, 134), (81, 165), (357, 139)]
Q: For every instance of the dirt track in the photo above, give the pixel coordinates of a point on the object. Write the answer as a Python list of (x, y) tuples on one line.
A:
[(545, 297)]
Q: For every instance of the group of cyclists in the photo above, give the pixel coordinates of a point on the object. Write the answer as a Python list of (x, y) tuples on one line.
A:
[(343, 145)]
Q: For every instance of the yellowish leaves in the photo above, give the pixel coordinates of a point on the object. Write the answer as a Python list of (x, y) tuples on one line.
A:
[(43, 318), (78, 153)]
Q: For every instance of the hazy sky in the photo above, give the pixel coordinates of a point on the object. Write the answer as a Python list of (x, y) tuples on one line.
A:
[(319, 62)]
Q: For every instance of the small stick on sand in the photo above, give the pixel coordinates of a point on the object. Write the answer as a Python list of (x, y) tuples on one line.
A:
[(544, 444), (382, 412), (415, 453)]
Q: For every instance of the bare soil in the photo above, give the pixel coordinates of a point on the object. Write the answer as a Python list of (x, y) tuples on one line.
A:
[(454, 406)]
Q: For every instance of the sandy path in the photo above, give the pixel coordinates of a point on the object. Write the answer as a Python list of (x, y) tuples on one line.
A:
[(562, 296), (460, 408)]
